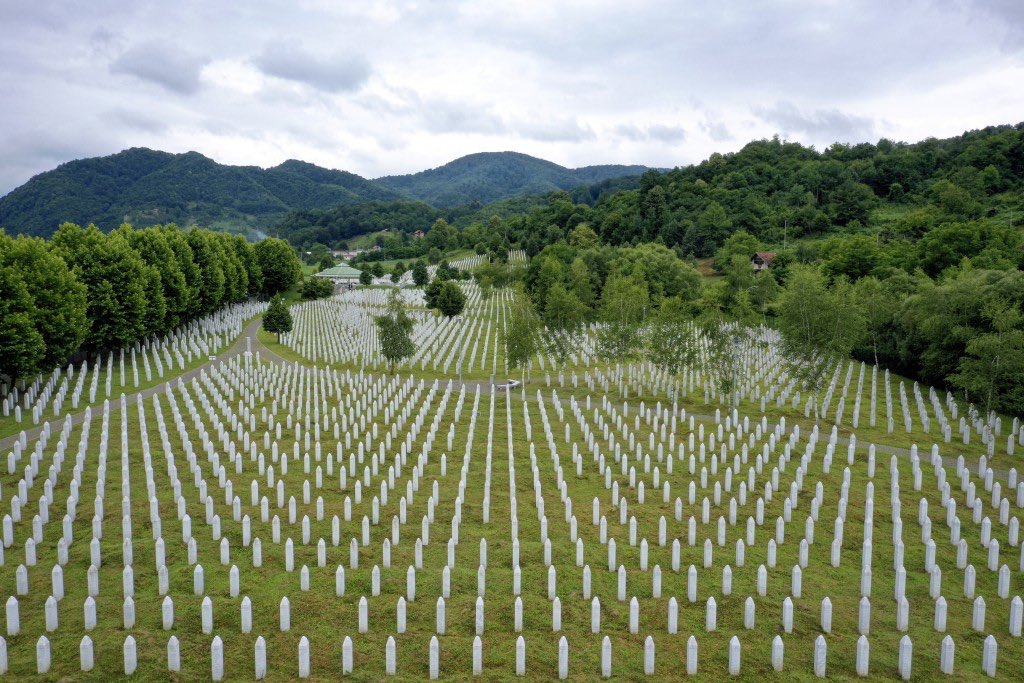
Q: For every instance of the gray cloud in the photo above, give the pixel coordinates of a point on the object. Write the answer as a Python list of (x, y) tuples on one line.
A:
[(384, 88), (331, 74), (555, 130), (167, 66), (137, 120), (655, 133), (715, 129), (442, 116), (829, 125)]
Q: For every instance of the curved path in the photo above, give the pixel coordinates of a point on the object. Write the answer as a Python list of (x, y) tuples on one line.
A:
[(249, 341)]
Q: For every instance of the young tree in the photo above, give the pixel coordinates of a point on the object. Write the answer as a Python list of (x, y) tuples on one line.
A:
[(623, 309), (431, 292), (277, 319), (581, 285), (450, 299), (420, 276), (327, 261), (485, 280), (739, 278), (394, 331), (879, 310), (671, 339), (365, 277), (990, 374), (522, 333), (763, 292), (725, 349), (819, 325), (563, 314)]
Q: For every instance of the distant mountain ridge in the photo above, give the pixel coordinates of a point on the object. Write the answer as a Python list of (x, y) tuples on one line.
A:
[(143, 186), (489, 176)]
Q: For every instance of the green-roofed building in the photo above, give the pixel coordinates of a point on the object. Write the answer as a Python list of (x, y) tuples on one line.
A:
[(344, 277)]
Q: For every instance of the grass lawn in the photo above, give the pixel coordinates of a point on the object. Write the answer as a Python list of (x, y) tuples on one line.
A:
[(326, 618), (501, 450)]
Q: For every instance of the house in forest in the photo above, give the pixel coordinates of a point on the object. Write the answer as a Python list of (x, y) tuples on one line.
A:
[(761, 260)]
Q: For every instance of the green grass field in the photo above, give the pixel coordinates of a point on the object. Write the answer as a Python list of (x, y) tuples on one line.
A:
[(524, 460)]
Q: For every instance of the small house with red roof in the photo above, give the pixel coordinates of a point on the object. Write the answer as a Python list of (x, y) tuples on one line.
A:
[(761, 260)]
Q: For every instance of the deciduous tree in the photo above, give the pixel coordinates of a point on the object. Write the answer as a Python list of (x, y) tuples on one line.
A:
[(277, 318), (394, 331)]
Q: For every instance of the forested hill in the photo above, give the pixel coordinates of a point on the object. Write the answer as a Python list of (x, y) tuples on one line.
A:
[(489, 176), (146, 187)]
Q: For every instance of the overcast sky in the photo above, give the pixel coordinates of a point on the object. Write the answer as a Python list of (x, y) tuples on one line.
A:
[(381, 87)]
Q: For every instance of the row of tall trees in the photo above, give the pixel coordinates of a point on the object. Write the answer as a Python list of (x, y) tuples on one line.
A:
[(93, 291)]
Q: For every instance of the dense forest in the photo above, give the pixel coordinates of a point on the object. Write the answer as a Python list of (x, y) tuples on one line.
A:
[(146, 187), (95, 291), (919, 247)]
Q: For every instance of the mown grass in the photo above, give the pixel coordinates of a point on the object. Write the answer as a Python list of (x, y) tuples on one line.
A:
[(325, 619)]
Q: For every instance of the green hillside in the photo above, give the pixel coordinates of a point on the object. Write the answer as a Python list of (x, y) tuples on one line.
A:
[(489, 176), (146, 187)]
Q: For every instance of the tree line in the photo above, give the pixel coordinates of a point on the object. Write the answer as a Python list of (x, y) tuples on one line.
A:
[(86, 290)]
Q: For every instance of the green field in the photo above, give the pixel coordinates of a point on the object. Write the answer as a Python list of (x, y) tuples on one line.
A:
[(232, 403)]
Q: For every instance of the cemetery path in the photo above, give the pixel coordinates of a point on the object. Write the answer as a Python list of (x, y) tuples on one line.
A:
[(249, 341)]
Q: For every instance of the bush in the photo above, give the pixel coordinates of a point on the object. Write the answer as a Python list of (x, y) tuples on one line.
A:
[(317, 288), (450, 299)]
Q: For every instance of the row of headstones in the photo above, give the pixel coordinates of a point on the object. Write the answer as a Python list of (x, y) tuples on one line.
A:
[(203, 336), (1003, 572), (783, 397), (94, 548), (978, 620), (87, 657), (342, 330)]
